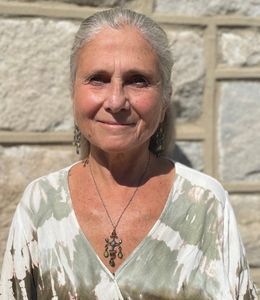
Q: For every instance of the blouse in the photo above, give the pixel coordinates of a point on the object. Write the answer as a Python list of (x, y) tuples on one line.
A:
[(193, 251)]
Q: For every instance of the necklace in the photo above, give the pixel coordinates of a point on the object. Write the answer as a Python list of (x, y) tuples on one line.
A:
[(113, 245)]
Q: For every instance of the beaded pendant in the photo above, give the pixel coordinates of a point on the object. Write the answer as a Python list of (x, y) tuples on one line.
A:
[(113, 248)]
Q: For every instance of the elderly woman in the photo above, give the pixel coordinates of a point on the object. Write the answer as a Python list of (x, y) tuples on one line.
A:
[(125, 222)]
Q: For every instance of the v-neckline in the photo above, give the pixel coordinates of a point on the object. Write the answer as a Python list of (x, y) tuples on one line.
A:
[(130, 257)]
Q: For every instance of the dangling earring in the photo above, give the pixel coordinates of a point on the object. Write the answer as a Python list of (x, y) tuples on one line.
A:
[(159, 139), (77, 138)]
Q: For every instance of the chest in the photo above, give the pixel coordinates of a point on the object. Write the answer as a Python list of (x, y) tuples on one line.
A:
[(158, 268), (132, 223), (171, 262)]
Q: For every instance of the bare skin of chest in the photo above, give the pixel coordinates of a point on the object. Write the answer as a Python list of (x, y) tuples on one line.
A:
[(142, 213)]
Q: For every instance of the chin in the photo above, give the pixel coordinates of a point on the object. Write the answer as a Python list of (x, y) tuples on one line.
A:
[(114, 147), (120, 144)]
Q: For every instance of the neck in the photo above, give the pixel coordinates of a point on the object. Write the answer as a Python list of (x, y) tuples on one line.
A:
[(124, 168)]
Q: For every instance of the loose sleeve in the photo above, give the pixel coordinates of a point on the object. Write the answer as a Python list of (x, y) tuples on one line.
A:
[(235, 261), (20, 259)]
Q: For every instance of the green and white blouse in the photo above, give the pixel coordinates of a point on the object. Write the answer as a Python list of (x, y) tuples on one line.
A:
[(193, 251)]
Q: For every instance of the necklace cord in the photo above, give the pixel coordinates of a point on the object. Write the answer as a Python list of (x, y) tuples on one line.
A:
[(130, 200), (113, 245)]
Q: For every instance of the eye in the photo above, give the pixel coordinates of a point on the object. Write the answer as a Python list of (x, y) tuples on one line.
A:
[(97, 79), (138, 81)]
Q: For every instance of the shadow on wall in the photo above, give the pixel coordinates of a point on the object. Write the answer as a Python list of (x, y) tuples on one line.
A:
[(179, 156)]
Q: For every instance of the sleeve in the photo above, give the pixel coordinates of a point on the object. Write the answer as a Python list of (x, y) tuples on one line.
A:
[(20, 259), (235, 260)]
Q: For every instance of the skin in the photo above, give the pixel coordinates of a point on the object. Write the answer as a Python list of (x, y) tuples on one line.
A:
[(118, 106), (117, 96)]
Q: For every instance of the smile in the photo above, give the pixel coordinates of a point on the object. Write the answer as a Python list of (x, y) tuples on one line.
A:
[(116, 124)]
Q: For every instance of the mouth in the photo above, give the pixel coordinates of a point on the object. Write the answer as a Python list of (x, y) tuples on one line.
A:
[(115, 124)]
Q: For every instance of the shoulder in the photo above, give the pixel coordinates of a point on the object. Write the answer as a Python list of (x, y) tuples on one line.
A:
[(46, 191), (51, 180), (203, 181)]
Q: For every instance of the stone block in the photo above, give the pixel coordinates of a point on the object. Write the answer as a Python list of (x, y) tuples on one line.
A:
[(238, 131), (247, 208), (34, 74), (95, 3), (19, 166), (208, 8), (189, 154), (255, 273), (92, 3), (188, 72), (239, 47)]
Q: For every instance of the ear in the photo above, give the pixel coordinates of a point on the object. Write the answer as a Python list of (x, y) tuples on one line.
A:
[(73, 110), (73, 106), (165, 106), (163, 112)]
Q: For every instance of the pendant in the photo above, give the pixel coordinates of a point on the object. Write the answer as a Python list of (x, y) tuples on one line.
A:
[(113, 248)]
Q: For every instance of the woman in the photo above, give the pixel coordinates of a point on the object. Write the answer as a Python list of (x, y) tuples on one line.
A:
[(125, 222)]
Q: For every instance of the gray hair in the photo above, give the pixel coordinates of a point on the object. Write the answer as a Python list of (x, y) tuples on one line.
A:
[(117, 18)]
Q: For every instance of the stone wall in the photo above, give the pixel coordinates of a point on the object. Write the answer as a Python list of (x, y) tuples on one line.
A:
[(216, 82)]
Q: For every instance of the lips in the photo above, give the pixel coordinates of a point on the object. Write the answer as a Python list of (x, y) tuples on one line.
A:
[(114, 123)]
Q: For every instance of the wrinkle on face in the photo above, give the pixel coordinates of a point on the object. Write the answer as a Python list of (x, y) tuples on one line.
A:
[(118, 81)]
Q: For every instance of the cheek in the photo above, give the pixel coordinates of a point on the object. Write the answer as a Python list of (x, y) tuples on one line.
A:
[(86, 103), (150, 110)]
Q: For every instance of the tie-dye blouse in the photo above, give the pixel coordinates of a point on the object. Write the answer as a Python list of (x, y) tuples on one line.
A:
[(193, 251)]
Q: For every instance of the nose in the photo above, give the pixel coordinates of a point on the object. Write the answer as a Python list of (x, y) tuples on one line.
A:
[(116, 99)]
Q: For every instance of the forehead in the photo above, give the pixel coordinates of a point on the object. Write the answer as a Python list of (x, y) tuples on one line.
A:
[(126, 44)]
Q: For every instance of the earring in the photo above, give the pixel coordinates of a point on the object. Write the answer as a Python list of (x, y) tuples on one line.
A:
[(77, 138), (159, 139)]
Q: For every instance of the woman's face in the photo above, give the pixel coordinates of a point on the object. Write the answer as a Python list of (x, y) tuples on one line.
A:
[(117, 92)]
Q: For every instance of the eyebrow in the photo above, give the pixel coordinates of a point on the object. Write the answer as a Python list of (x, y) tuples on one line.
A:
[(136, 71)]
